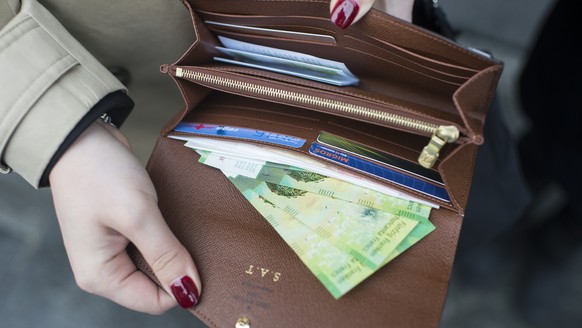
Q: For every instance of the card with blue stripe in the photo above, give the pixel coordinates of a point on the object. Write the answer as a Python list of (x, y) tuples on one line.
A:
[(382, 172), (234, 132)]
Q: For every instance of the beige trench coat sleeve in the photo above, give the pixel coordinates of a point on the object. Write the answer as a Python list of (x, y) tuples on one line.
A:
[(48, 83)]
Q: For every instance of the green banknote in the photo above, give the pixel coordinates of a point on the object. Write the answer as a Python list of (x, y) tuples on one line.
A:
[(297, 178), (368, 234), (246, 162), (335, 269)]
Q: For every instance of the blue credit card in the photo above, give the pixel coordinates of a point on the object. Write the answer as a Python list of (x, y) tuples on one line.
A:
[(204, 129), (382, 172), (375, 155)]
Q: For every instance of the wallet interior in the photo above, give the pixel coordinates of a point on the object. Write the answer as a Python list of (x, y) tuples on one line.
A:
[(417, 80), (415, 74)]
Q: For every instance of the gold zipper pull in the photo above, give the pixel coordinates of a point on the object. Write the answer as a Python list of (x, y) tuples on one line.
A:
[(441, 136)]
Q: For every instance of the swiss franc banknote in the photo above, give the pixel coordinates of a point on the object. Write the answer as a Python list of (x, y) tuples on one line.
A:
[(368, 234), (335, 269), (297, 178), (303, 179), (318, 215)]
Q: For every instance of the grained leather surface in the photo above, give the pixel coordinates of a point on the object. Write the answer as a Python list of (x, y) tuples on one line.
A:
[(246, 269), (226, 236)]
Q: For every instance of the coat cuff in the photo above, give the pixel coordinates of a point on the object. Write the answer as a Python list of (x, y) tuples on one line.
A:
[(52, 83)]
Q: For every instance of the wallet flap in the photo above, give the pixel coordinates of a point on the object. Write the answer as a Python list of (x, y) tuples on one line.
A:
[(474, 97), (457, 173), (248, 271)]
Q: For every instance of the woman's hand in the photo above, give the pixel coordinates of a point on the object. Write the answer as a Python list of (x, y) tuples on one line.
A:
[(104, 199), (346, 12)]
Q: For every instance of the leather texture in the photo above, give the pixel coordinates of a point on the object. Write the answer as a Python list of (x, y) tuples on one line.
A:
[(246, 268)]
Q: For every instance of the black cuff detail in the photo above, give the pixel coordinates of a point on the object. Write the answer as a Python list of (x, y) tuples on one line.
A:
[(117, 105)]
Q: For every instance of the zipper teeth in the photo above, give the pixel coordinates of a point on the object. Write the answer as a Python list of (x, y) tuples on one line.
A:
[(333, 105)]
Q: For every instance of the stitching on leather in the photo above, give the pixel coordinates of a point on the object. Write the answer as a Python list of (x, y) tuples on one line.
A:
[(479, 77), (416, 69), (468, 178), (205, 318), (377, 15)]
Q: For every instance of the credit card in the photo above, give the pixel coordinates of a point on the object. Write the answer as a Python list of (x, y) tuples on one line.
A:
[(240, 133), (356, 148), (377, 170)]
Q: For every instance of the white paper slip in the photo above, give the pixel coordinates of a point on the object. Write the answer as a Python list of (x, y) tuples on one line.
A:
[(246, 167)]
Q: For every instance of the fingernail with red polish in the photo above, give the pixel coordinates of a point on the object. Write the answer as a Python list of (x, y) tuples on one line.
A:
[(185, 292), (344, 12)]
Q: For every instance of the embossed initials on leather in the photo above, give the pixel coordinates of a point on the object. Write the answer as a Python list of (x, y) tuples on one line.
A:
[(263, 273)]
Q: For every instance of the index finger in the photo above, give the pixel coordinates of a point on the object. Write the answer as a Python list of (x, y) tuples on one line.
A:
[(346, 12)]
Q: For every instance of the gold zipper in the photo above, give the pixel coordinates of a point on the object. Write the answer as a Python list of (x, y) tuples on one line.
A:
[(441, 135)]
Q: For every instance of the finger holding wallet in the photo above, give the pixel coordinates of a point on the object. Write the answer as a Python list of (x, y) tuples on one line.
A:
[(347, 12)]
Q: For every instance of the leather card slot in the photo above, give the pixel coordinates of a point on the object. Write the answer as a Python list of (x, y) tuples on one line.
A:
[(233, 110), (312, 35), (444, 65), (360, 62), (322, 24), (363, 63), (368, 43), (408, 58)]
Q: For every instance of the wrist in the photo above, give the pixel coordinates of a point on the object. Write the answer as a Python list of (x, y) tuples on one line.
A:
[(106, 122)]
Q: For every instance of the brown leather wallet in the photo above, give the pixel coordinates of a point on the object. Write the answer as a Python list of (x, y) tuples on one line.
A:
[(412, 82)]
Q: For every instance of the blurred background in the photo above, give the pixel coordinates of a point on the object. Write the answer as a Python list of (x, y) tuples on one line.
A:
[(497, 286)]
